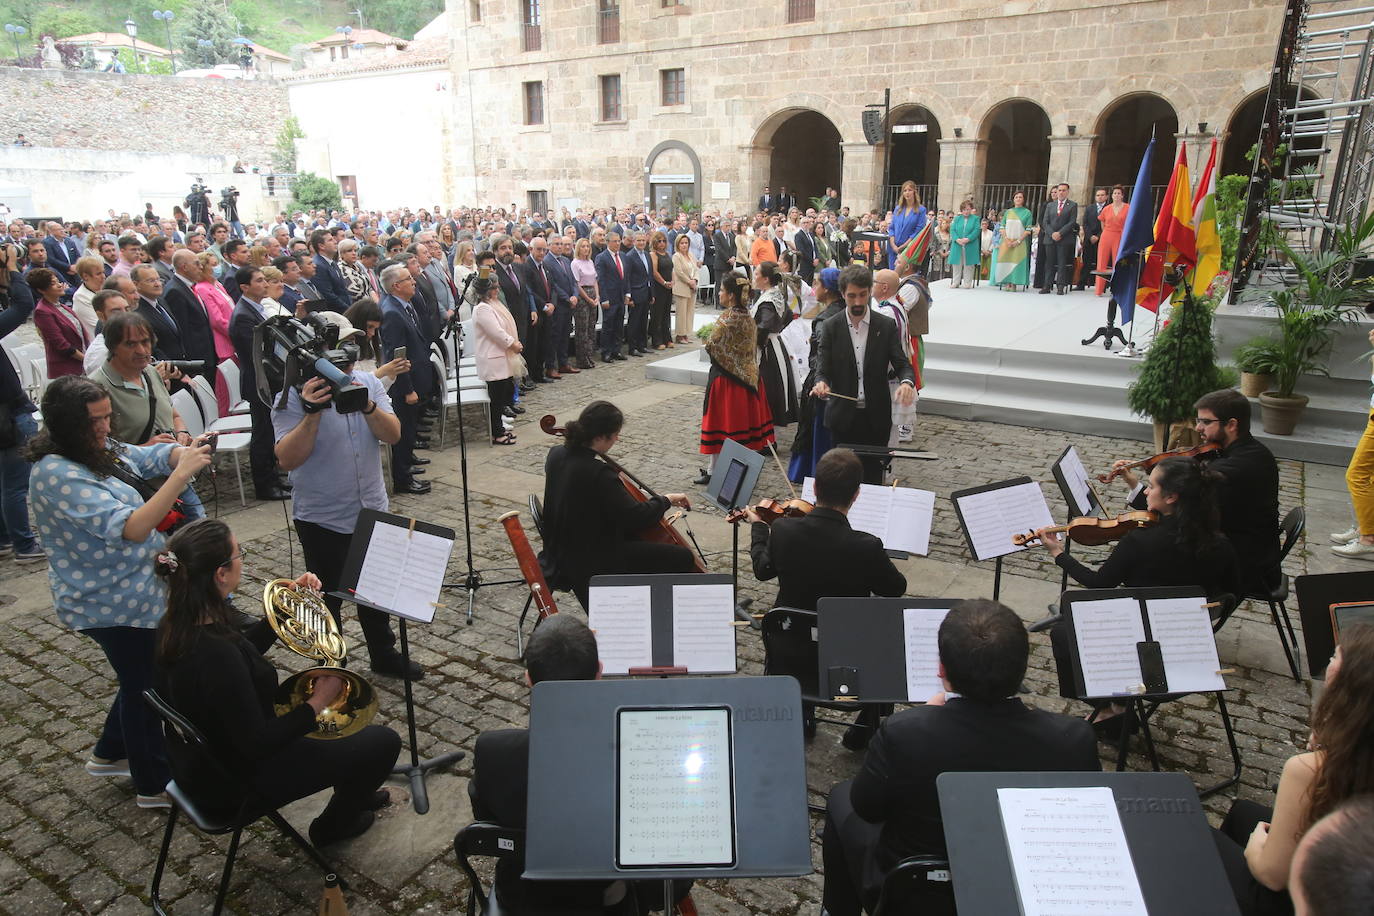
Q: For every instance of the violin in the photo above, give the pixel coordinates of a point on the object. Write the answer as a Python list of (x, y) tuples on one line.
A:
[(1206, 449), (770, 510), (662, 531), (1094, 532)]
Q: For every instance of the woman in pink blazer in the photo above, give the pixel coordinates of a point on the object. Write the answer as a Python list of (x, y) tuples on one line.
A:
[(64, 336), (496, 346), (218, 306)]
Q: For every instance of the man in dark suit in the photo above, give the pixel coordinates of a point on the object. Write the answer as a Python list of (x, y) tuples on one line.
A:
[(1059, 234), (891, 809), (167, 332), (805, 244), (767, 202), (235, 255), (538, 281), (401, 327), (1092, 233), (63, 253), (723, 242), (785, 201), (197, 334), (426, 301), (512, 286), (863, 413), (638, 280), (245, 318), (564, 299), (615, 297), (331, 284)]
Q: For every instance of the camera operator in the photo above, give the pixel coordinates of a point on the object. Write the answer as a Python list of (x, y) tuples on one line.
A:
[(198, 204), (248, 314), (229, 207), (336, 470)]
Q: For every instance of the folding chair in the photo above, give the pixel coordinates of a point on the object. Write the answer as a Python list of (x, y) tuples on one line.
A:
[(230, 371), (179, 730), (917, 884), (491, 841), (1294, 523), (231, 440)]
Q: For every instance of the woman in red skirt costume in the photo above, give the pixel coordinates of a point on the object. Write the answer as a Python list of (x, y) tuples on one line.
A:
[(735, 406)]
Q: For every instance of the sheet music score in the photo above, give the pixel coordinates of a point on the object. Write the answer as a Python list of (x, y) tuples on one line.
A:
[(900, 517), (620, 617), (703, 630), (1183, 629), (1107, 631), (674, 787), (1076, 476), (403, 570), (921, 626), (993, 516), (1069, 853)]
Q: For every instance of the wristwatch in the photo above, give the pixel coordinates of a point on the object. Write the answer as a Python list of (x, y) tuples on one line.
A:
[(370, 409)]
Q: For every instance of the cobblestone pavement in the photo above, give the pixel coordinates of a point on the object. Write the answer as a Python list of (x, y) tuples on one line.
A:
[(74, 843)]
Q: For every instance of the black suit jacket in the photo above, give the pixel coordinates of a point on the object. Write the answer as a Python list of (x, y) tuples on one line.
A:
[(535, 293), (169, 343), (805, 243), (242, 322), (820, 556), (399, 331), (724, 246), (513, 291), (1092, 224), (588, 517), (608, 280), (767, 202), (896, 786), (638, 278), (426, 305), (331, 284), (1065, 223), (197, 335), (836, 367)]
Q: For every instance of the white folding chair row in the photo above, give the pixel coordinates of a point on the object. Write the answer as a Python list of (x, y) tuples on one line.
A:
[(704, 284), (230, 371), (31, 363), (232, 442), (473, 393)]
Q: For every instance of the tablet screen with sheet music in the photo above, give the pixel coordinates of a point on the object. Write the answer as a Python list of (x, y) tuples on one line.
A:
[(675, 803)]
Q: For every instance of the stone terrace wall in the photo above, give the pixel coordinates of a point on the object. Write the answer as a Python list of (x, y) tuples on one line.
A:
[(106, 111)]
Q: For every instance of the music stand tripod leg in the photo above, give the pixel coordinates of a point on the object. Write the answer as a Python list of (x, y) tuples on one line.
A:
[(415, 770), (1235, 750)]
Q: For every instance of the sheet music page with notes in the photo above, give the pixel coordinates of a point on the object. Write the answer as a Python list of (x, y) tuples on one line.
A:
[(993, 516), (1183, 629), (619, 615), (1076, 476), (703, 630), (921, 626), (1107, 631), (403, 570), (900, 517), (1069, 853), (674, 787)]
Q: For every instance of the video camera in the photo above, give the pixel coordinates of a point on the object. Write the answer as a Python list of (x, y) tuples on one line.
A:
[(198, 188), (291, 351), (229, 193), (187, 366)]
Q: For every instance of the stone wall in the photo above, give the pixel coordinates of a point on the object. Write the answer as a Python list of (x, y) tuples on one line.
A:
[(747, 72), (105, 111)]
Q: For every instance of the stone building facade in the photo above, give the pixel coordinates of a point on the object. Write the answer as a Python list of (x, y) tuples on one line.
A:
[(590, 103)]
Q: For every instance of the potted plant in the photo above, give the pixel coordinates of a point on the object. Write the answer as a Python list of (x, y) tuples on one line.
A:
[(1180, 367), (1304, 342), (1251, 358)]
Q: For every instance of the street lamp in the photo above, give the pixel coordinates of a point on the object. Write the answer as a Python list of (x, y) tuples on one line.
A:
[(165, 16), (15, 31), (132, 28)]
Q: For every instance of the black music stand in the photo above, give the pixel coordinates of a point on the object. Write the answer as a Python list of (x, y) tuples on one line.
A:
[(576, 740), (348, 590), (1175, 858), (978, 545), (1079, 495), (1144, 703), (733, 479), (1316, 593), (861, 648), (1109, 330), (662, 659)]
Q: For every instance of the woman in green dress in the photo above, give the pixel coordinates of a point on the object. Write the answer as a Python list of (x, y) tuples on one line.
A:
[(966, 245), (1012, 266)]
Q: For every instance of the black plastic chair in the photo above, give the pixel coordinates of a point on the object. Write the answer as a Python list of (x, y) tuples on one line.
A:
[(537, 513), (487, 840), (177, 728), (917, 884), (1294, 523), (789, 648)]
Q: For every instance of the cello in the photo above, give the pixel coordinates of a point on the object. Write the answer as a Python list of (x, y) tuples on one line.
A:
[(661, 532)]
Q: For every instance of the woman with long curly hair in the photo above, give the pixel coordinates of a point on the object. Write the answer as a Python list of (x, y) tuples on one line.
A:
[(1257, 843)]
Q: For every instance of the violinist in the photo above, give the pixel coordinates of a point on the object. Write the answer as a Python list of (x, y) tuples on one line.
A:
[(821, 556), (1248, 495), (590, 519), (1185, 547)]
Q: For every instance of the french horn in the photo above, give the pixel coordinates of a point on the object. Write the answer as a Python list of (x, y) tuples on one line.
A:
[(303, 623)]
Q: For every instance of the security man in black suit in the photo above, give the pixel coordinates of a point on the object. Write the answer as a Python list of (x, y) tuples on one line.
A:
[(1092, 234), (891, 810), (767, 202), (861, 410), (723, 246), (1059, 235)]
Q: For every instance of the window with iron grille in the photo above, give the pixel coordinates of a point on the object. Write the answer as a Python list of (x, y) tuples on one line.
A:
[(534, 103), (801, 10), (608, 21), (529, 25), (610, 98), (674, 84)]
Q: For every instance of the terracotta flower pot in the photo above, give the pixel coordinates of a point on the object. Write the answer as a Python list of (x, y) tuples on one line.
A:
[(1253, 384), (1280, 415)]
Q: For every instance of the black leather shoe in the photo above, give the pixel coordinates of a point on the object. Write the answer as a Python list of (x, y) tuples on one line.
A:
[(325, 831), (417, 487), (856, 737), (272, 493), (508, 412), (424, 429), (395, 666), (419, 461), (543, 380), (620, 356), (421, 442), (517, 408), (415, 472), (284, 485), (1044, 292)]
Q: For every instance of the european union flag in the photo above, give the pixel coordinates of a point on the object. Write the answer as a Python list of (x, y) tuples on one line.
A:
[(1136, 239)]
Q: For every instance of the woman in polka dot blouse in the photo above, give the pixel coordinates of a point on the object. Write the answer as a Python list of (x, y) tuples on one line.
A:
[(102, 538)]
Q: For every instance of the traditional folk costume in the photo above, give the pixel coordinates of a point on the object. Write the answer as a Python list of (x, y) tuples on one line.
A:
[(771, 315), (1012, 267), (735, 406)]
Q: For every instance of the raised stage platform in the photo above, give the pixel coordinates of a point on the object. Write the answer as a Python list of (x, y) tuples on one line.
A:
[(1017, 358)]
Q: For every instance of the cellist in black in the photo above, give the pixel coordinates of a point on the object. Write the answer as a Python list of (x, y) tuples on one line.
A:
[(591, 519)]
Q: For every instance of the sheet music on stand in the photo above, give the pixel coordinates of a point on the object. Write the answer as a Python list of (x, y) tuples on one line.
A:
[(1075, 484), (397, 564), (1108, 631), (663, 621), (920, 631), (900, 517), (992, 513)]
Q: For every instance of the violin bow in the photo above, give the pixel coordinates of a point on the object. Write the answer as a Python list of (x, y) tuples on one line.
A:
[(772, 448)]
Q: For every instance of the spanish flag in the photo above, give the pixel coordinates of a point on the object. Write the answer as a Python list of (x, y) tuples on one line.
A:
[(1205, 223), (1175, 241), (915, 250)]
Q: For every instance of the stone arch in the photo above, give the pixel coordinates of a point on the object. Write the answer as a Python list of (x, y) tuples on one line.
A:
[(766, 125), (804, 152), (914, 154), (1188, 108), (664, 147), (1123, 131), (1015, 135)]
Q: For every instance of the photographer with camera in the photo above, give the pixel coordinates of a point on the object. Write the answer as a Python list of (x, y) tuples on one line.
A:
[(336, 470), (248, 314), (229, 208), (198, 204)]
